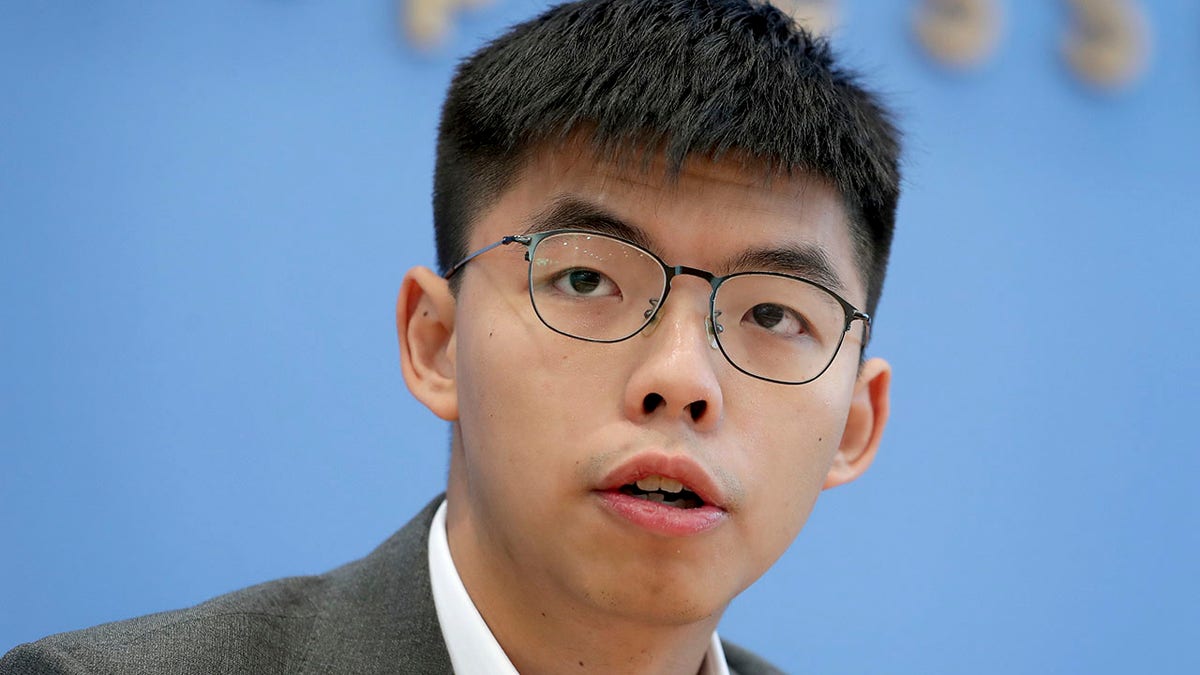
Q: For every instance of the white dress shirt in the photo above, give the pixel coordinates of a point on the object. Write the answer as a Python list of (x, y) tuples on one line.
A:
[(473, 649)]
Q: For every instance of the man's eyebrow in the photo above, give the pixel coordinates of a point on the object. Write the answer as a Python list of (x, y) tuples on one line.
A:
[(570, 212), (574, 213), (803, 260)]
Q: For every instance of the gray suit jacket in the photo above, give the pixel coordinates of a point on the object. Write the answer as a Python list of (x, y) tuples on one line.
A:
[(374, 615)]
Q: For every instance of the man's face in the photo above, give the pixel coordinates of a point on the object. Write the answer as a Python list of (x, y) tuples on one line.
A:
[(549, 427)]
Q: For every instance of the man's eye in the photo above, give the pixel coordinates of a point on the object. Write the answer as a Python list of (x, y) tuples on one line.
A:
[(584, 282), (777, 319)]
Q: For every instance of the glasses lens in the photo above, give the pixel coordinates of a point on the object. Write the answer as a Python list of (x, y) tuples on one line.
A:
[(593, 287), (777, 327)]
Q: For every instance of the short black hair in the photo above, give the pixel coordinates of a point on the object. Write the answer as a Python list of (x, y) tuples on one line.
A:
[(688, 77)]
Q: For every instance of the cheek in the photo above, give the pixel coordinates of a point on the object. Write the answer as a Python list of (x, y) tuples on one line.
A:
[(494, 408), (789, 451), (526, 392)]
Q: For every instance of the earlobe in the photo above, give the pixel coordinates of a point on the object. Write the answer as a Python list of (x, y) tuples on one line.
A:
[(864, 424), (425, 329)]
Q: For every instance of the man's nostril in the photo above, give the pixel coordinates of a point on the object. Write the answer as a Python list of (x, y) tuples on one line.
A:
[(697, 408), (651, 403)]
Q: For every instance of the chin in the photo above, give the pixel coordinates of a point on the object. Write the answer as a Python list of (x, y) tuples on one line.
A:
[(674, 610), (663, 595)]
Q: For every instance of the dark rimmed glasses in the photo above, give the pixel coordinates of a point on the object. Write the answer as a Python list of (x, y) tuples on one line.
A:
[(599, 288)]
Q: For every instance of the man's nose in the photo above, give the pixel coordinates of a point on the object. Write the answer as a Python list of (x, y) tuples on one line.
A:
[(677, 375)]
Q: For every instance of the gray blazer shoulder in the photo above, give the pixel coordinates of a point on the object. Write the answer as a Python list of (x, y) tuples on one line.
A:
[(371, 616), (374, 615), (745, 662)]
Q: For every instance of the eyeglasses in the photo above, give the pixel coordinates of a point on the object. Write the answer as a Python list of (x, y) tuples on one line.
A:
[(594, 287)]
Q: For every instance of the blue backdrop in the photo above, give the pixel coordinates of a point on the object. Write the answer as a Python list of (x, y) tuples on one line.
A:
[(206, 209)]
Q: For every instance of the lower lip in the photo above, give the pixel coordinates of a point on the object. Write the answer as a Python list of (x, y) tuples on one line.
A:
[(660, 518)]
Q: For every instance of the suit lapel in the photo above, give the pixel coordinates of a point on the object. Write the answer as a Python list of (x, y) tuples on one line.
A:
[(377, 614)]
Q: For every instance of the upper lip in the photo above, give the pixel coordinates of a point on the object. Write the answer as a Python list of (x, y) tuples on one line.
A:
[(680, 467)]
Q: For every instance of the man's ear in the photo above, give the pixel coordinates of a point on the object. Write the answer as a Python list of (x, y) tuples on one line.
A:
[(864, 425), (425, 328)]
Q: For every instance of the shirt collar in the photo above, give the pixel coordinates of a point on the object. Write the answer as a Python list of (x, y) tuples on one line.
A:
[(472, 647)]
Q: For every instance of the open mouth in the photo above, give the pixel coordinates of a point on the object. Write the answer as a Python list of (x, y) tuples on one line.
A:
[(666, 491)]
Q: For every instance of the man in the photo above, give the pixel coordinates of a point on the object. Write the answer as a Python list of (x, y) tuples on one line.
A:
[(662, 228)]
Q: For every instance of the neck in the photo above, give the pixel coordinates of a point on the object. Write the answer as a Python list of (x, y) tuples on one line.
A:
[(544, 628)]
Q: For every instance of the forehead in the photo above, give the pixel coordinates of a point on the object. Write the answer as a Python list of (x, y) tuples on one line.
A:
[(704, 215)]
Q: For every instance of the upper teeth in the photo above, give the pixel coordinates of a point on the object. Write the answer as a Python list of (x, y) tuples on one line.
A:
[(652, 483)]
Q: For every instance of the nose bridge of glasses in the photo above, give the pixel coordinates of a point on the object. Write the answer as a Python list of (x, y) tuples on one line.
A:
[(683, 270), (672, 272)]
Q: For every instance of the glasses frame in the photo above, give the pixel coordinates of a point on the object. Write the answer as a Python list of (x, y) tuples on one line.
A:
[(531, 242)]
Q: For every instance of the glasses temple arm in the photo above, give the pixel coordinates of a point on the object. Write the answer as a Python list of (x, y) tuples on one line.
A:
[(503, 242), (866, 321)]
